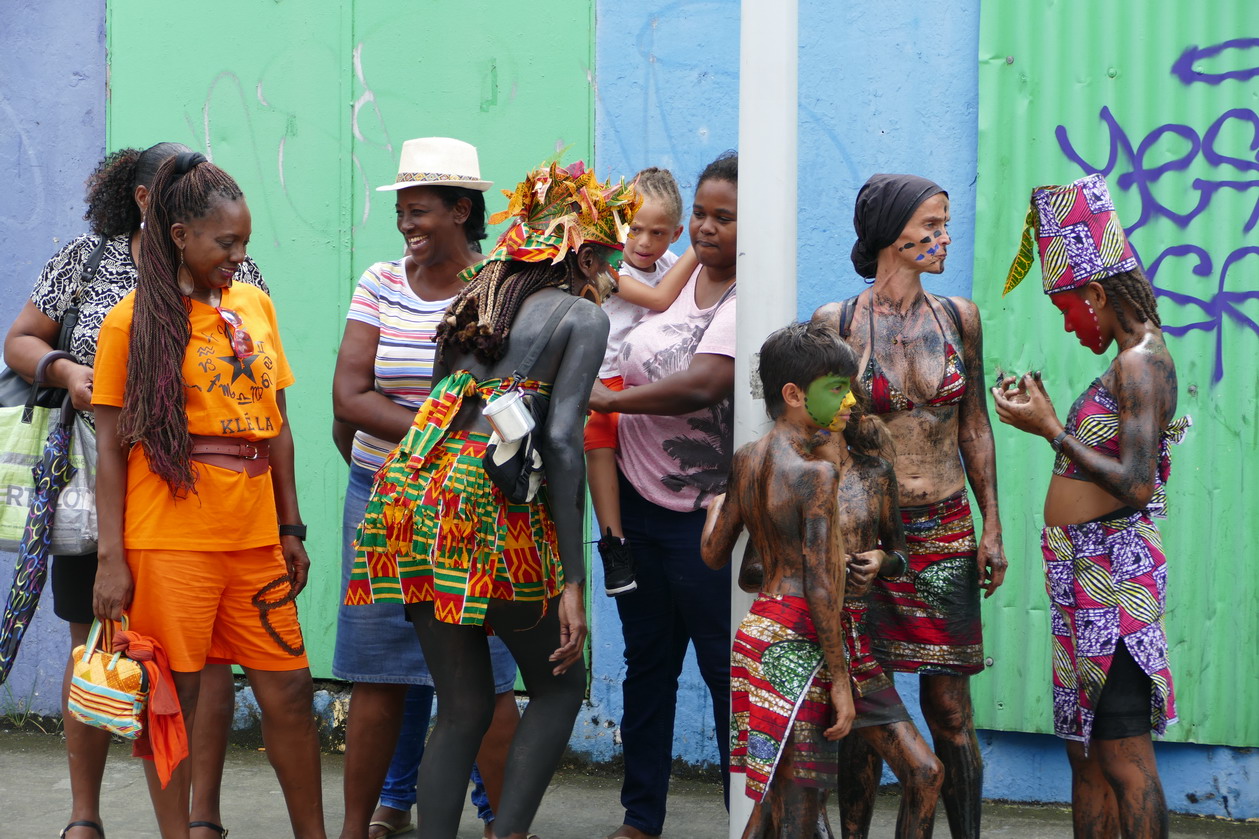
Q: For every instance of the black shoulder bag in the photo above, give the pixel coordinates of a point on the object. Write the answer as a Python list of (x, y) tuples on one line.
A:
[(14, 390)]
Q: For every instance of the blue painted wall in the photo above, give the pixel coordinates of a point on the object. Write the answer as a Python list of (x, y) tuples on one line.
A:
[(52, 134), (666, 94)]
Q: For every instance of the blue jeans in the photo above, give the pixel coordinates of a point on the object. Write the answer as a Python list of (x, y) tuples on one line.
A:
[(679, 601)]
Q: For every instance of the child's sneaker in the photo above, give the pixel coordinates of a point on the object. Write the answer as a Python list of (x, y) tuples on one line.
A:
[(618, 565)]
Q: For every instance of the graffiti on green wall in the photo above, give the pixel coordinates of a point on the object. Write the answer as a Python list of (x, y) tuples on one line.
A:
[(1151, 102)]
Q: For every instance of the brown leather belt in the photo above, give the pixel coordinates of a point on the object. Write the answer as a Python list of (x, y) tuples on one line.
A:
[(249, 456)]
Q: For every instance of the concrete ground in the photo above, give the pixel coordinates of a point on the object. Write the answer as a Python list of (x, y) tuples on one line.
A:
[(35, 799)]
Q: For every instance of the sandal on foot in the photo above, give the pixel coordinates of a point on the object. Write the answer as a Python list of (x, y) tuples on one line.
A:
[(391, 830), (83, 823), (217, 828)]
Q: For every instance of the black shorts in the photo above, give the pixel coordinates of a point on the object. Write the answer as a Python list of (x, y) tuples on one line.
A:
[(73, 578), (1123, 709)]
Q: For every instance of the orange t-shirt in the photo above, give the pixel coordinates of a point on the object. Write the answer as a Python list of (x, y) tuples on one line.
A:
[(225, 397)]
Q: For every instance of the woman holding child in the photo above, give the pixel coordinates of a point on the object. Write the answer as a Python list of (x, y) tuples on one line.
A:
[(676, 432)]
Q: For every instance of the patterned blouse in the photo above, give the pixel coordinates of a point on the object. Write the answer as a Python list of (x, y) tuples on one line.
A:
[(58, 287)]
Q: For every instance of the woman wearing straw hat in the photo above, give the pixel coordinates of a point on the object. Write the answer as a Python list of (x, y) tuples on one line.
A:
[(442, 537), (384, 372)]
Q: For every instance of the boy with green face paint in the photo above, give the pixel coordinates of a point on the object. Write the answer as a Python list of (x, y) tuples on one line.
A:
[(829, 399), (789, 651)]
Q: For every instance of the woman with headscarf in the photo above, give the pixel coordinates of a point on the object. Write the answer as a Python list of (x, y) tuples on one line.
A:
[(922, 366), (1105, 570)]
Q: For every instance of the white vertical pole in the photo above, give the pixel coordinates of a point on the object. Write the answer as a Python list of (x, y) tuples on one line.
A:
[(768, 73)]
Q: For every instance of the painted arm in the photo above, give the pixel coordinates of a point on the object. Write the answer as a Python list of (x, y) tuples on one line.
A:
[(979, 456), (284, 485), (1140, 385), (114, 585), (355, 400), (562, 453), (32, 336), (825, 575), (661, 296), (891, 528), (708, 380), (724, 521)]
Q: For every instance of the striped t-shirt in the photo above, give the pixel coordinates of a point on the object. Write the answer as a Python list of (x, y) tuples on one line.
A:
[(405, 350)]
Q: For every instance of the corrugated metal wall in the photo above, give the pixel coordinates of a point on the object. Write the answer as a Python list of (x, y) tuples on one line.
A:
[(308, 109), (1162, 103)]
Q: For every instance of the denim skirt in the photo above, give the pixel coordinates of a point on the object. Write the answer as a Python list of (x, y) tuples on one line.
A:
[(375, 642)]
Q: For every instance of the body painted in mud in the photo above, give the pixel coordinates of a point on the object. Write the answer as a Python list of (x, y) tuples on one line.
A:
[(1116, 787), (868, 516), (783, 489), (921, 360)]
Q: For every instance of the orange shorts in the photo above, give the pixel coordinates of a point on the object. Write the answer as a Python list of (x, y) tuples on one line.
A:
[(601, 428), (217, 607)]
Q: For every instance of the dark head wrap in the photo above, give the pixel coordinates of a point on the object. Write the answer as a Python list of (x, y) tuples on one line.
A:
[(884, 206)]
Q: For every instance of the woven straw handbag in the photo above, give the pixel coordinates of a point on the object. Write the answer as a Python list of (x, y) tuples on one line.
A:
[(108, 690)]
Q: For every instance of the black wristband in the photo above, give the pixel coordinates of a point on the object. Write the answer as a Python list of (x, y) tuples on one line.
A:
[(1056, 442), (904, 569), (298, 530)]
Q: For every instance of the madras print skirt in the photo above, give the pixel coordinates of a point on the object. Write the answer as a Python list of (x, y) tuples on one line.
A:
[(439, 530), (780, 696), (1107, 583), (927, 621)]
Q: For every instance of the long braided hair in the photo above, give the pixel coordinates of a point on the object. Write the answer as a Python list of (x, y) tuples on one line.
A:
[(154, 412), (1135, 296), (480, 318)]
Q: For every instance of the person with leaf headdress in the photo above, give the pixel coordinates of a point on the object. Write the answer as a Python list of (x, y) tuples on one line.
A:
[(440, 536)]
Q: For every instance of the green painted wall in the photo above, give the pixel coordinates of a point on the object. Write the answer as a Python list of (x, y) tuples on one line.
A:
[(307, 109), (1163, 105)]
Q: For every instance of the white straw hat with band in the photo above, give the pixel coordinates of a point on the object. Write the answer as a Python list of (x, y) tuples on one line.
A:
[(438, 161)]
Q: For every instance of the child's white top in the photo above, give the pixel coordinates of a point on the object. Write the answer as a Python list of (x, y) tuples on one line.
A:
[(624, 315)]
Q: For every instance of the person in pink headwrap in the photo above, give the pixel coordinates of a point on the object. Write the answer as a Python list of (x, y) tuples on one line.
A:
[(1105, 570)]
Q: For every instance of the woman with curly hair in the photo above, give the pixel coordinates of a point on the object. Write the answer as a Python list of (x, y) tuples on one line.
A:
[(117, 195), (200, 531), (440, 536)]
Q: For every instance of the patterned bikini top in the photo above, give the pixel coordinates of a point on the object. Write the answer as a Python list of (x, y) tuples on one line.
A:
[(1094, 421), (444, 402), (887, 398)]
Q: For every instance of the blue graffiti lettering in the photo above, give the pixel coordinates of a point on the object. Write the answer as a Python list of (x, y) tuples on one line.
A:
[(1182, 68), (1172, 148)]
